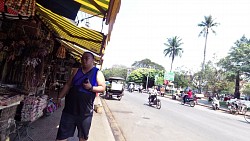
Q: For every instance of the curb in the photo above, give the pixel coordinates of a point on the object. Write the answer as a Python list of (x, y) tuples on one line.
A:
[(204, 105), (113, 124)]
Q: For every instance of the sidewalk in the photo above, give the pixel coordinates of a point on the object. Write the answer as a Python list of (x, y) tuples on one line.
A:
[(204, 102), (45, 128)]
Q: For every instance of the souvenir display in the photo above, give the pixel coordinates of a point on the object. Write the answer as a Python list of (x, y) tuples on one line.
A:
[(33, 107)]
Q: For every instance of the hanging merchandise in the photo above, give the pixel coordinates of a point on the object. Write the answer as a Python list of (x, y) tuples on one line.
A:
[(61, 52), (23, 7)]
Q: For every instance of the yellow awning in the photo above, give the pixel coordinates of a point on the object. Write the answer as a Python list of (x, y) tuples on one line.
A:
[(94, 7), (102, 8), (65, 30), (77, 51)]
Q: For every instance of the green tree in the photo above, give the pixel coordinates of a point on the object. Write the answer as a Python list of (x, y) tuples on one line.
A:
[(181, 79), (206, 25), (215, 79), (159, 78), (173, 49), (247, 89), (237, 61), (147, 63), (140, 76), (115, 71)]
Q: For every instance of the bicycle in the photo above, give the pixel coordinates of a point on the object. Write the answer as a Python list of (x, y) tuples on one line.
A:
[(247, 114)]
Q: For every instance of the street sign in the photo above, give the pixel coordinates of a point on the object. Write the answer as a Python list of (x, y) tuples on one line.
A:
[(169, 76)]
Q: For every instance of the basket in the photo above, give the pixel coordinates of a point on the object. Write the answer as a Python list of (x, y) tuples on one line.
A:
[(7, 113), (6, 128), (98, 108), (5, 124)]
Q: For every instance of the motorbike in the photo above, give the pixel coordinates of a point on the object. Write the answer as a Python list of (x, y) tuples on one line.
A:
[(130, 90), (156, 101), (235, 106), (215, 103), (189, 101)]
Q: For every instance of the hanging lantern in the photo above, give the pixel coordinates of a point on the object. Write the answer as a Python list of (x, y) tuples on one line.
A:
[(61, 52)]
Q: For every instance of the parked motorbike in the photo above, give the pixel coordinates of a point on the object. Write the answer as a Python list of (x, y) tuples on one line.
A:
[(235, 106), (189, 101), (215, 103)]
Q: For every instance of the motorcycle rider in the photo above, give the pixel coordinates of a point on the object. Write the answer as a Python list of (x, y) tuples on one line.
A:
[(189, 95), (153, 95), (140, 88), (131, 88)]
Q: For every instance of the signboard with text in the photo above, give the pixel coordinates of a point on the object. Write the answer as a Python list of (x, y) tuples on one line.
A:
[(169, 76)]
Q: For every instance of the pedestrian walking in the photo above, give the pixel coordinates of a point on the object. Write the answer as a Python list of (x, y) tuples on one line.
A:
[(79, 92)]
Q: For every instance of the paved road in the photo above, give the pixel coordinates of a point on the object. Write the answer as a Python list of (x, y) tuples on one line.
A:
[(175, 122)]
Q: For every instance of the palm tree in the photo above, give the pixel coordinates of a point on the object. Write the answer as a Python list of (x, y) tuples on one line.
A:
[(206, 25), (173, 49)]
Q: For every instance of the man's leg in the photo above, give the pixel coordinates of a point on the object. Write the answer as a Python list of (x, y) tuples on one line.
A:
[(184, 99), (84, 127), (153, 98), (66, 128), (82, 139)]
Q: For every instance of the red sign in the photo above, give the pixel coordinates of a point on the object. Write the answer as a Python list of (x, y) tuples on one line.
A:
[(166, 82)]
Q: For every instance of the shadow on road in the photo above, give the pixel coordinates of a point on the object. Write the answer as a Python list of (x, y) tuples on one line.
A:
[(244, 121), (104, 97), (153, 106)]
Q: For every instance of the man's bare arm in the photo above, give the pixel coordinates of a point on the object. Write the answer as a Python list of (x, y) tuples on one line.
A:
[(101, 83), (67, 85)]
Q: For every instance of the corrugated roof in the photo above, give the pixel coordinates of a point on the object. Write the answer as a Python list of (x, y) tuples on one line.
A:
[(102, 8), (85, 38), (94, 7), (64, 30), (77, 51)]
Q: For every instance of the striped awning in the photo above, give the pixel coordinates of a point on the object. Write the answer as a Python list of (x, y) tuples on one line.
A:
[(94, 7), (65, 30), (107, 9), (77, 52)]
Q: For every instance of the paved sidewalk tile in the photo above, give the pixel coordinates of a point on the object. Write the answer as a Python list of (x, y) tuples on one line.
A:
[(45, 128)]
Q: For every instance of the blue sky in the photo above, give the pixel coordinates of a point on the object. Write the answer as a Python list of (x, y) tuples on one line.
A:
[(142, 27)]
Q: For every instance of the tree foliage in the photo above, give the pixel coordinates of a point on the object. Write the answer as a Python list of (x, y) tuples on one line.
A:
[(147, 63), (181, 79), (238, 59), (140, 76), (214, 79), (247, 89), (115, 71), (173, 49), (237, 62)]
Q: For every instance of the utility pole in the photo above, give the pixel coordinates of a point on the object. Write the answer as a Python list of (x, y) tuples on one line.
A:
[(147, 82)]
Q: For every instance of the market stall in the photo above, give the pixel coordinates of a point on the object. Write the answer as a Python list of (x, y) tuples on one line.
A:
[(38, 48)]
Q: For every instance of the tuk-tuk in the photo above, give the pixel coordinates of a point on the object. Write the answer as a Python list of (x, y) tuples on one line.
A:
[(116, 87)]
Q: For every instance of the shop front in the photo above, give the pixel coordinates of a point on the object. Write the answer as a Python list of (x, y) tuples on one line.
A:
[(38, 49)]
